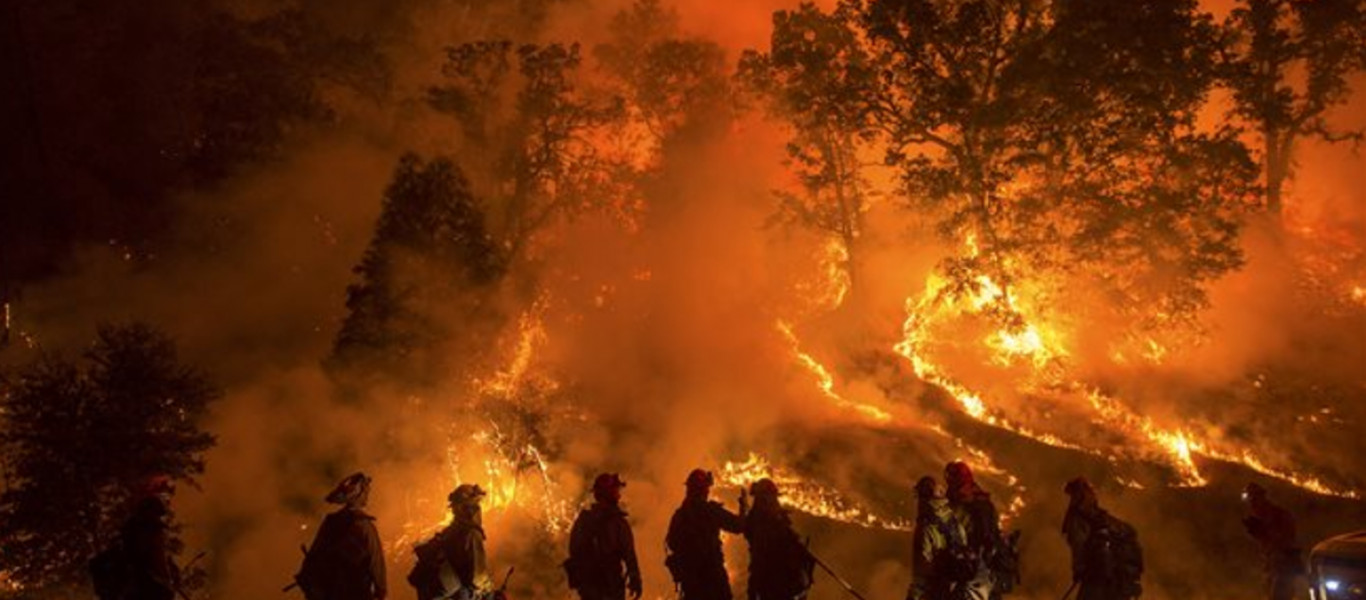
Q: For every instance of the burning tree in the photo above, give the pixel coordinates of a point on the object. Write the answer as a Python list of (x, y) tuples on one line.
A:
[(1060, 137), (1288, 63), (78, 439)]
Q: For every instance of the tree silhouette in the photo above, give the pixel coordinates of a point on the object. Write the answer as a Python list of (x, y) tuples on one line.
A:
[(533, 129), (78, 439), (818, 76), (675, 85), (1043, 131), (428, 271), (1288, 63)]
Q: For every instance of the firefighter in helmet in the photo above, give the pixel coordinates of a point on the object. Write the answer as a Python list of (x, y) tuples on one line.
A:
[(1273, 528), (602, 553), (942, 567), (346, 560), (1107, 562), (780, 567), (695, 559)]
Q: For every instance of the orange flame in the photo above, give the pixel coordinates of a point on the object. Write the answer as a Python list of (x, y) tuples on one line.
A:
[(1041, 347), (826, 382), (806, 496)]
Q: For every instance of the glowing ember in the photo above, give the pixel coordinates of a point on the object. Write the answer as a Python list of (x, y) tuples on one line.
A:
[(8, 584)]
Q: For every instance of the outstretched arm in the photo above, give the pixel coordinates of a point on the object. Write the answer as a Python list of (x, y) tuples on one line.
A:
[(728, 521)]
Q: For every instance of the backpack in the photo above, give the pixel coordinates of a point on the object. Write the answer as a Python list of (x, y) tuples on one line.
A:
[(1127, 555), (433, 574), (1116, 556), (427, 568), (111, 572)]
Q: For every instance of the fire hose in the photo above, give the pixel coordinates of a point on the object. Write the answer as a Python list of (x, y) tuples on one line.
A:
[(844, 584), (501, 592)]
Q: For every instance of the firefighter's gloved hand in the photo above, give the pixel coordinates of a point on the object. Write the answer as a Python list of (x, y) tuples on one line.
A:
[(635, 587)]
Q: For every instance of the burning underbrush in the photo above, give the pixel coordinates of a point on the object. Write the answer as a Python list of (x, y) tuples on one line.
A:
[(986, 375)]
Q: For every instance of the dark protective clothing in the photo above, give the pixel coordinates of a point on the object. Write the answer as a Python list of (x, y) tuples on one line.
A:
[(602, 555), (694, 543), (146, 539), (346, 560), (779, 564), (1282, 563), (1101, 567)]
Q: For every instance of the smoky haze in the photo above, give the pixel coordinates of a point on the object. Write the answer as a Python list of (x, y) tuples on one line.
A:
[(658, 347)]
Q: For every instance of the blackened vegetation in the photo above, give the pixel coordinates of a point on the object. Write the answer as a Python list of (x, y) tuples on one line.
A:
[(1267, 41), (79, 437)]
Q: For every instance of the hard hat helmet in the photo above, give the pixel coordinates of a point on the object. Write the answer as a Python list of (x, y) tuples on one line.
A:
[(1078, 485), (608, 482), (926, 487), (465, 494), (350, 489), (764, 488), (957, 473), (700, 479)]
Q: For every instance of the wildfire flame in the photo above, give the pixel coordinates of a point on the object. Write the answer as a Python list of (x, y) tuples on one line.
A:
[(508, 382), (826, 382), (807, 497), (516, 477), (1031, 343)]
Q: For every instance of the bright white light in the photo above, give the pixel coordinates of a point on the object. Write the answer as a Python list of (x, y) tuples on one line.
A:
[(1332, 585)]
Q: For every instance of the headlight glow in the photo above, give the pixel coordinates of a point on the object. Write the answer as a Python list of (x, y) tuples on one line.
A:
[(1332, 585)]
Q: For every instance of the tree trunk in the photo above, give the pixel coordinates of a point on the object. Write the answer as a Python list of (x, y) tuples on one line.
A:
[(1274, 171)]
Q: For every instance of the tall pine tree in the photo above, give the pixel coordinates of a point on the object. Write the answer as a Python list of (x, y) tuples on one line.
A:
[(428, 272)]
